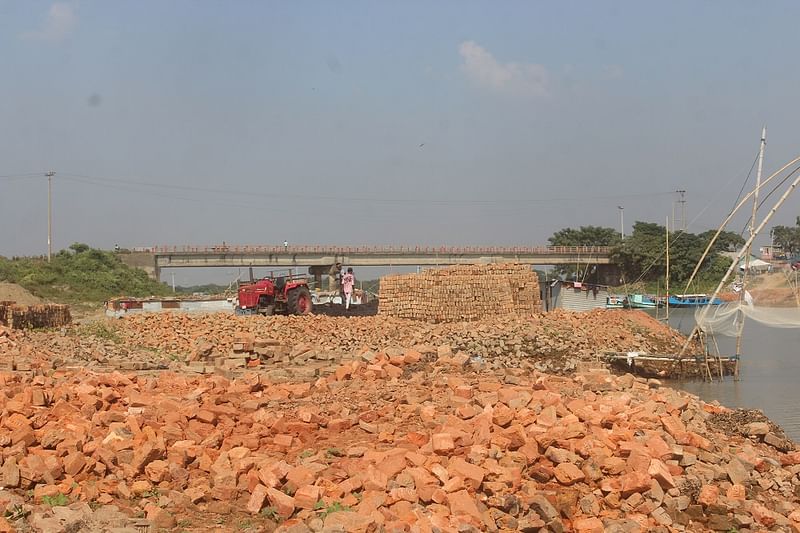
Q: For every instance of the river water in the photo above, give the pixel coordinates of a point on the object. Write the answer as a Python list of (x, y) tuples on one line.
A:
[(770, 372)]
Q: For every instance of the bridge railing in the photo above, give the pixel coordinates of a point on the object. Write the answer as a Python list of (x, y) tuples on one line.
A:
[(368, 250)]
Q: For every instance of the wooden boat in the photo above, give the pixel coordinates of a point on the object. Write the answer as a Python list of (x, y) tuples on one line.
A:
[(641, 301), (615, 301), (692, 300)]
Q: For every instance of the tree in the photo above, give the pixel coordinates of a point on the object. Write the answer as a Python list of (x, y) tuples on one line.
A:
[(727, 241), (643, 254), (787, 237), (585, 236), (79, 248)]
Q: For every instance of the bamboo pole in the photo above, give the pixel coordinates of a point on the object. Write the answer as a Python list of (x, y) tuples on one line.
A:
[(749, 250)]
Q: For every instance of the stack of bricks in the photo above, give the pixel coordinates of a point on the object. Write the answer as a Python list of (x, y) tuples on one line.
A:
[(247, 351), (461, 293), (4, 307), (34, 316)]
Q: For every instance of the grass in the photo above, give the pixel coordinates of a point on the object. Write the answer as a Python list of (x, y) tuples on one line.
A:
[(15, 512), (244, 524), (335, 507), (101, 330), (59, 500), (334, 452), (79, 275), (152, 493), (270, 513)]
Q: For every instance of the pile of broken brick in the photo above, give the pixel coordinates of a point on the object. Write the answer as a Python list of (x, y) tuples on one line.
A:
[(553, 340), (406, 440), (76, 348)]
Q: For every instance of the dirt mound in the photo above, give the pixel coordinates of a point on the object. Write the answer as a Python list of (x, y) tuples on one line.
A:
[(739, 422), (12, 292)]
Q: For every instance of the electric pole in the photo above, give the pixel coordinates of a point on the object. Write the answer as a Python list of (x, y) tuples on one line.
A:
[(621, 222), (49, 175), (682, 201)]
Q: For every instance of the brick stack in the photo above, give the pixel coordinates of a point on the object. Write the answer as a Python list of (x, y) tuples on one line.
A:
[(4, 307), (463, 292), (34, 316)]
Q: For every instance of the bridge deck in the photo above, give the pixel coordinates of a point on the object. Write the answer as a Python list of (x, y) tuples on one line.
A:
[(153, 259), (376, 250)]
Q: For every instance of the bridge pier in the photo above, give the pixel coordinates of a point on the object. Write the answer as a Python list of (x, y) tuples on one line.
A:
[(143, 261), (609, 275), (318, 271)]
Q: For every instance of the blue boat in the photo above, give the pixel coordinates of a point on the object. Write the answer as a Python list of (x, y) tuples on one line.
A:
[(691, 300)]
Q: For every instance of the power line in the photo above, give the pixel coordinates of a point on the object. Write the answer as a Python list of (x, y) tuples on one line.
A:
[(400, 201), (20, 176)]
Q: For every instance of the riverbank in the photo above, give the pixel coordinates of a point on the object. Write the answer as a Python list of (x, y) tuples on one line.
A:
[(340, 425)]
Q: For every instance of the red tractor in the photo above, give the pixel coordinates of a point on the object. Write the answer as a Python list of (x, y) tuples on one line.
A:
[(279, 295)]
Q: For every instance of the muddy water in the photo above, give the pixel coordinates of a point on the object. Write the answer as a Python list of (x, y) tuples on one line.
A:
[(770, 372)]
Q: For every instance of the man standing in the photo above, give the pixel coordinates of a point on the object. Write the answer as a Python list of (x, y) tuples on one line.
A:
[(348, 280), (333, 277), (285, 245)]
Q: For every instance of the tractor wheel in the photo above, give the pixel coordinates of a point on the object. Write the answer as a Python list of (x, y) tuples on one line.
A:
[(298, 301)]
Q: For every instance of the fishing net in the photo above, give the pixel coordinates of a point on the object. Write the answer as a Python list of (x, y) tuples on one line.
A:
[(727, 319)]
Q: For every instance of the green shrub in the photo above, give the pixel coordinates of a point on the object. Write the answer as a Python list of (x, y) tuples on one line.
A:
[(80, 275)]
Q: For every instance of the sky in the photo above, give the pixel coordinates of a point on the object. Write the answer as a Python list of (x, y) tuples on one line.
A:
[(351, 123)]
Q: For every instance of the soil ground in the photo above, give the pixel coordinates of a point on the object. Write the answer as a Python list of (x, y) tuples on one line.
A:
[(14, 293)]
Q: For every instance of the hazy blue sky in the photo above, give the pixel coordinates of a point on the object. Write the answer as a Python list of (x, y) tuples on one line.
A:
[(383, 122)]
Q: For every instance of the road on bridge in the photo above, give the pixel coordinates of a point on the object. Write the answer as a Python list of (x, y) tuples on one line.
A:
[(319, 258)]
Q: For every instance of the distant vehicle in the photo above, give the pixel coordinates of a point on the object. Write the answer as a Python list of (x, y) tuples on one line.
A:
[(287, 295)]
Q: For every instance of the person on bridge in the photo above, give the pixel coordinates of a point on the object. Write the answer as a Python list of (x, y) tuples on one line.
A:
[(348, 281)]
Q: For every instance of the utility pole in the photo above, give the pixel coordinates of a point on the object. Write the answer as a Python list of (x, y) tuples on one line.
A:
[(621, 222), (682, 201), (49, 175)]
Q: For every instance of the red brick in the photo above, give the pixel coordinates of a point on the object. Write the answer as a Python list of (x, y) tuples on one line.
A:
[(709, 495), (659, 472), (283, 503), (635, 482), (284, 441), (338, 425), (461, 503), (392, 371), (257, 499), (568, 474), (74, 463), (442, 443), (307, 496), (588, 525), (472, 474)]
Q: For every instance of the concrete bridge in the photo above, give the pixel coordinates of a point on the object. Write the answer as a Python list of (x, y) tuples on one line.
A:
[(319, 259)]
